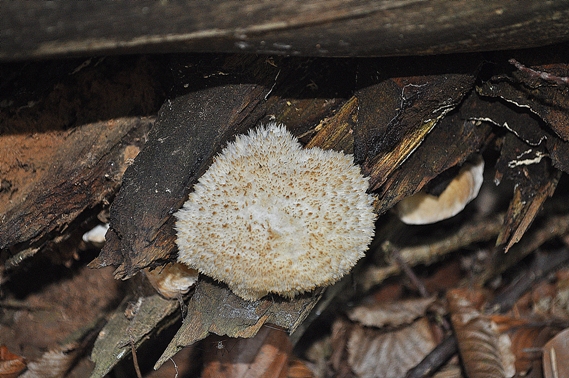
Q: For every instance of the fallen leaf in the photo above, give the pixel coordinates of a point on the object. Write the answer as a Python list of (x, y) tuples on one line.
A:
[(264, 355), (483, 353), (11, 365), (392, 313), (373, 353), (556, 355), (54, 363), (298, 369)]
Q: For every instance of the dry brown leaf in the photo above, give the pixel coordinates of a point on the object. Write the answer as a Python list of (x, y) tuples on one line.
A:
[(391, 313), (556, 355), (483, 353), (341, 330), (264, 355), (373, 353), (547, 299), (298, 369), (11, 365), (526, 344), (449, 371), (504, 323), (317, 356), (559, 303), (54, 363)]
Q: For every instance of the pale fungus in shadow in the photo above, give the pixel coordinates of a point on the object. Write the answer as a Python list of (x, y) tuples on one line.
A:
[(271, 217), (425, 208), (96, 235), (172, 280)]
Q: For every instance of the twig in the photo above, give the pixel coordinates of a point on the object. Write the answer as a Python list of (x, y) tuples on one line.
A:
[(434, 360), (135, 359), (410, 274), (545, 76), (476, 231), (544, 264)]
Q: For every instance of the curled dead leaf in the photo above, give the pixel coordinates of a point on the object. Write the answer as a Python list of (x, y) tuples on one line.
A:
[(264, 355), (373, 353), (556, 355), (11, 365), (483, 352), (54, 363), (391, 313)]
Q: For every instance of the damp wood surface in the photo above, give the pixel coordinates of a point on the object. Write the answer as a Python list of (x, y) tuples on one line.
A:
[(124, 139), (313, 27)]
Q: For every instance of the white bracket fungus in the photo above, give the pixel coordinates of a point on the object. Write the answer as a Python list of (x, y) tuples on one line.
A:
[(271, 217), (96, 235), (172, 280), (424, 208)]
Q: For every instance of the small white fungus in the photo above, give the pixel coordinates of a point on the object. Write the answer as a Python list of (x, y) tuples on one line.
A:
[(172, 280), (424, 208), (96, 235), (271, 217)]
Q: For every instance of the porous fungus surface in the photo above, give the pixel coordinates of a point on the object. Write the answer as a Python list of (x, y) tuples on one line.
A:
[(271, 217)]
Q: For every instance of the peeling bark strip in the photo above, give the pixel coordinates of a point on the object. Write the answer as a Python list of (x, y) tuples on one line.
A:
[(394, 140), (189, 131), (96, 146), (391, 134), (215, 309), (311, 27)]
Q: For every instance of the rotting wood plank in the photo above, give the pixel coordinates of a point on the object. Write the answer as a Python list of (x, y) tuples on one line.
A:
[(311, 27)]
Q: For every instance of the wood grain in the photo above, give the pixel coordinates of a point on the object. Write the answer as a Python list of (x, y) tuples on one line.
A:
[(310, 27)]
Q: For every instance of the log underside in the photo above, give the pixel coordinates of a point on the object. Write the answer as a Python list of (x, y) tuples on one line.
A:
[(310, 28), (124, 138)]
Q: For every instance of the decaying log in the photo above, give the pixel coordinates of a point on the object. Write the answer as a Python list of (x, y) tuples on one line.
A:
[(216, 309), (405, 119), (413, 104), (188, 133), (62, 156), (190, 129), (311, 27)]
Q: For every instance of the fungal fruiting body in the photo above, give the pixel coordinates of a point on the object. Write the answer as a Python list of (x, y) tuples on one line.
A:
[(172, 280), (96, 235), (424, 208), (271, 217)]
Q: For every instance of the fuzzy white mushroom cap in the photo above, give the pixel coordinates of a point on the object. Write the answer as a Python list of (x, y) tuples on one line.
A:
[(271, 217)]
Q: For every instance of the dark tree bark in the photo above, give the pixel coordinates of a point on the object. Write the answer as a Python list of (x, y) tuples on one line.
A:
[(311, 27)]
